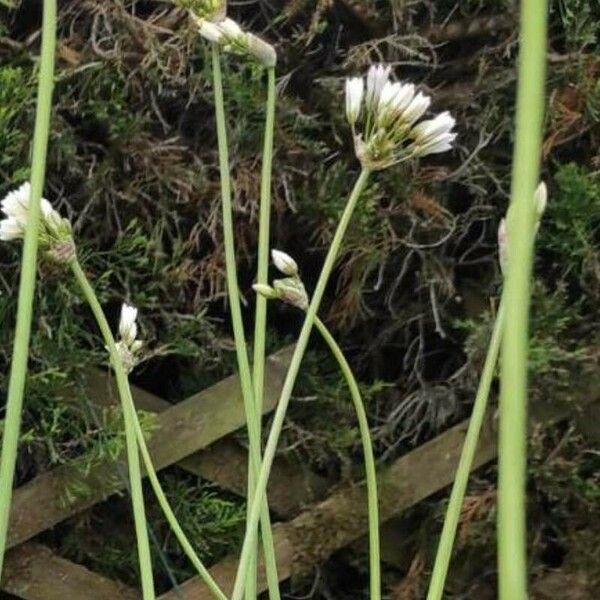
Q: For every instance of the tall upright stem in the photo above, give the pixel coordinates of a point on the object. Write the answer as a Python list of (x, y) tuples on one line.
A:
[(260, 319), (369, 458), (238, 326), (133, 460), (512, 451), (444, 549), (18, 369), (288, 386)]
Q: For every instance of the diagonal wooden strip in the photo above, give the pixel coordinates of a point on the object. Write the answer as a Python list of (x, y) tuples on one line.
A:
[(183, 429), (225, 462), (332, 524), (34, 572), (313, 536)]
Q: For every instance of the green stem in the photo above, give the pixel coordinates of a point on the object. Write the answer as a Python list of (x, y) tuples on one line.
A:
[(238, 326), (290, 379), (260, 319), (512, 450), (133, 459), (167, 510), (18, 370), (369, 458), (444, 549)]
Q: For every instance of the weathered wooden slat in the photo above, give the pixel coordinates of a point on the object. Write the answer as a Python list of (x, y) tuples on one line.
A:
[(182, 430), (312, 537), (34, 572), (225, 462)]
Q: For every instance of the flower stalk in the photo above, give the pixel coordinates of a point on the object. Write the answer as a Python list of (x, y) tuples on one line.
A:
[(279, 417), (18, 369), (512, 451), (239, 336), (129, 418), (260, 318)]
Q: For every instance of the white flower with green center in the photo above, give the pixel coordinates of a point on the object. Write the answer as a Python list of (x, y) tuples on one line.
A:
[(128, 346), (54, 232), (389, 112)]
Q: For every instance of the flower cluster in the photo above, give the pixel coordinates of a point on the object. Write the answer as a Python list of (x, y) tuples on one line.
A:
[(54, 232), (290, 289), (128, 346), (232, 38), (389, 112), (214, 10), (540, 201)]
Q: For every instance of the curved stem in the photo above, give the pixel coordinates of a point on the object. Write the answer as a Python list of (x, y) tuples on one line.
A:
[(512, 447), (18, 369), (290, 380), (369, 458), (133, 459), (168, 511), (444, 549), (238, 326), (260, 319)]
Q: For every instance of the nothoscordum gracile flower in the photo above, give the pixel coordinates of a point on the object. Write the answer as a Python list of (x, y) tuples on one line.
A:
[(540, 201), (232, 38), (128, 346), (390, 112), (284, 263), (54, 232)]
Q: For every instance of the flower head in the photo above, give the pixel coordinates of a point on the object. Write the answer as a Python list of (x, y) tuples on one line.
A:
[(390, 112), (284, 263), (232, 38), (214, 10), (128, 346), (54, 231)]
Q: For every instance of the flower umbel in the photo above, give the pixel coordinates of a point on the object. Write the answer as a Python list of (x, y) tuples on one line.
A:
[(389, 112), (540, 200), (215, 10), (128, 346), (54, 233), (232, 38)]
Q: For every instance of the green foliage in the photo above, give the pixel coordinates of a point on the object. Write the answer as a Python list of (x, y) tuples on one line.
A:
[(17, 96), (580, 20)]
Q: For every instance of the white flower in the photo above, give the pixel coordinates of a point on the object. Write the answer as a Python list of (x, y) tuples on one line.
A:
[(211, 31), (284, 263), (355, 90), (377, 77), (15, 205), (434, 135), (11, 229), (127, 324), (230, 29), (416, 109), (541, 199)]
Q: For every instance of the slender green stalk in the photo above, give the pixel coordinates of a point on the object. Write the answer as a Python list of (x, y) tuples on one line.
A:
[(512, 451), (290, 379), (369, 458), (238, 326), (260, 319), (133, 459), (18, 370), (444, 549)]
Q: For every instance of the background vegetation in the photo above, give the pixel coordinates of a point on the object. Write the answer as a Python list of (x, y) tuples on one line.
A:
[(132, 159)]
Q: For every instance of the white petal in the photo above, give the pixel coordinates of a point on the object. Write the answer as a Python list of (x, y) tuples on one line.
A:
[(284, 263), (127, 325), (10, 229), (416, 109), (541, 199), (211, 32), (355, 89), (230, 28), (377, 77)]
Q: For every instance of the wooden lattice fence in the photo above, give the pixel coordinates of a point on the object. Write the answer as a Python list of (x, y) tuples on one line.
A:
[(194, 435)]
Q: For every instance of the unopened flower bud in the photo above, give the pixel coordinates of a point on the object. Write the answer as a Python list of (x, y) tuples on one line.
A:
[(292, 291), (355, 90), (127, 324), (284, 263), (266, 291), (502, 246), (540, 199), (262, 51)]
